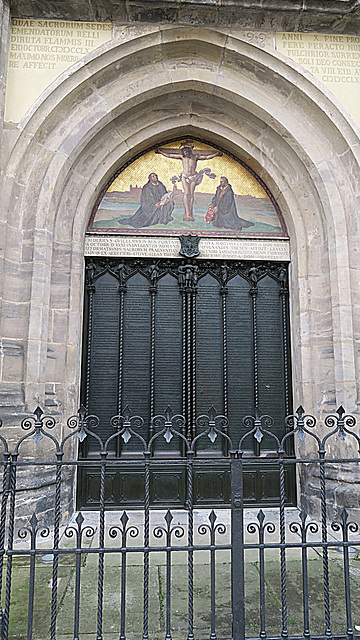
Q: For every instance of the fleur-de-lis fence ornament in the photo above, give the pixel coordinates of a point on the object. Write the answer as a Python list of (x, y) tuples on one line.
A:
[(261, 526), (170, 425), (33, 531), (36, 425), (78, 530), (344, 525), (125, 424), (177, 530), (123, 530), (212, 425), (300, 423), (257, 426), (84, 425), (340, 423), (302, 528), (212, 528)]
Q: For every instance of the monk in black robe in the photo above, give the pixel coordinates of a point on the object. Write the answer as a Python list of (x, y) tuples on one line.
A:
[(225, 212), (151, 210)]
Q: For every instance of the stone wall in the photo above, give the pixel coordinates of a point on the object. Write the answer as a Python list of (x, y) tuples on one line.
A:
[(293, 15), (154, 80)]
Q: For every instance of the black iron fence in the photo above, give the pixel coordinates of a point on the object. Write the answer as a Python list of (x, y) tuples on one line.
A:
[(172, 573)]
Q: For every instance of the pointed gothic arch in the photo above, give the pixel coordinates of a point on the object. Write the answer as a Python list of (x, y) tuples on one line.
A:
[(253, 103)]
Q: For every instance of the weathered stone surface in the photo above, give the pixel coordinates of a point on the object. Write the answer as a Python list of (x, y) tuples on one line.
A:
[(11, 398), (4, 46), (156, 81), (342, 15)]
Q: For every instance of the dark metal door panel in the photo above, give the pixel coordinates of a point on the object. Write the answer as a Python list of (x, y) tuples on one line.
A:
[(168, 486), (189, 334)]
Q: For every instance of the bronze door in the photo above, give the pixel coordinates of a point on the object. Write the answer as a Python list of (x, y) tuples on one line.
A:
[(189, 334)]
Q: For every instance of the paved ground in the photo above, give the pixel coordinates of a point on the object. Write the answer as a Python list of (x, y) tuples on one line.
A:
[(111, 627)]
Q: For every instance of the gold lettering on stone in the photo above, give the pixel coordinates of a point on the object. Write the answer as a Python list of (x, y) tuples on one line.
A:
[(225, 249), (39, 51), (332, 59)]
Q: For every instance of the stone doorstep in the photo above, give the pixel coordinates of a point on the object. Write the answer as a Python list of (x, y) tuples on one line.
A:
[(201, 517)]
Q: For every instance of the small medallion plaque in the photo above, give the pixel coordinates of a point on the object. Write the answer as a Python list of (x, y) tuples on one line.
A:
[(189, 246)]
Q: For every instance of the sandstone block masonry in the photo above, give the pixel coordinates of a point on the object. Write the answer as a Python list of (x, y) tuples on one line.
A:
[(175, 69)]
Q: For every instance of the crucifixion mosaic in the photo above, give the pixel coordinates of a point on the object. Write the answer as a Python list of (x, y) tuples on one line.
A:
[(187, 186)]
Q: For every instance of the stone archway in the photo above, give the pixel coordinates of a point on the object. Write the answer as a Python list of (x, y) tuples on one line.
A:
[(126, 96)]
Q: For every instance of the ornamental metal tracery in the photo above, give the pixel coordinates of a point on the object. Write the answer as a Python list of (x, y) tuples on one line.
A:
[(27, 535)]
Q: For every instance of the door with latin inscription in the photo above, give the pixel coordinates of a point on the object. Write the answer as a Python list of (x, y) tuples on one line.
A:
[(189, 334)]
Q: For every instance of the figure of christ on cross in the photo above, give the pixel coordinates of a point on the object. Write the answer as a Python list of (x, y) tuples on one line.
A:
[(190, 178)]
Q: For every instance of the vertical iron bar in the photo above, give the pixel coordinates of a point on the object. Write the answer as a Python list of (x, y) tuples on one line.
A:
[(305, 581), (91, 289), (224, 292), (31, 585), (262, 582), (190, 544), (184, 353), (254, 292), (12, 471), (57, 516), (4, 499), (121, 347), (103, 455), (123, 585), (324, 540), (168, 584), (284, 632), (188, 367), (77, 582), (283, 295), (349, 629), (121, 359), (212, 581), (146, 545), (152, 352), (237, 548), (193, 354)]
